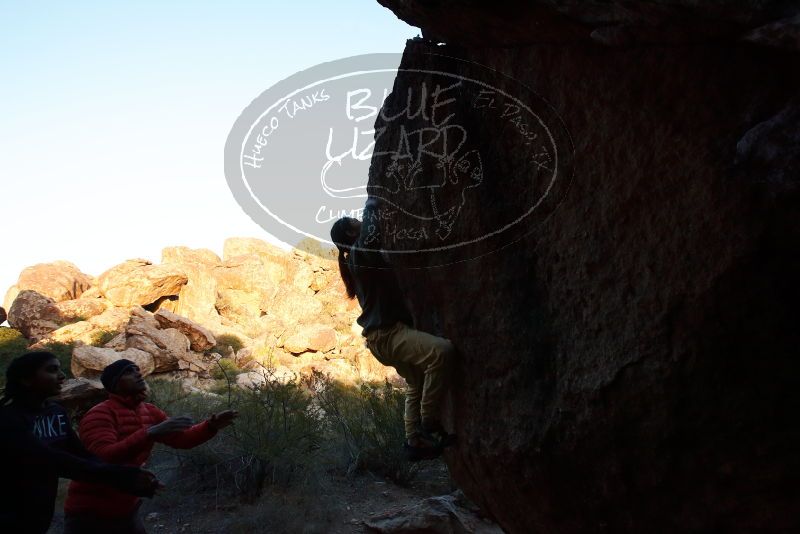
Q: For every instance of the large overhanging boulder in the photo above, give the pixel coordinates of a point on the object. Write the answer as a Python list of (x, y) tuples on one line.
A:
[(630, 363), (614, 22)]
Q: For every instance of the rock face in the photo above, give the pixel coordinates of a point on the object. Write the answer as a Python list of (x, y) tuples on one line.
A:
[(258, 306), (27, 314), (89, 362), (524, 22), (78, 395), (318, 338), (70, 311), (447, 514), (138, 282), (60, 280), (90, 331), (200, 339), (168, 346), (629, 365)]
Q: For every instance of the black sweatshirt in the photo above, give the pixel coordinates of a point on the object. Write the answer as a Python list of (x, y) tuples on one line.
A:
[(376, 286), (37, 446)]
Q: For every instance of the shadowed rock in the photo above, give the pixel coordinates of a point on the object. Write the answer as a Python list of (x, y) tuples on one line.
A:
[(630, 363)]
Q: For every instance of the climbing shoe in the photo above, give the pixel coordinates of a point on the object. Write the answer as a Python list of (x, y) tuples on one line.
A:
[(422, 447), (434, 431)]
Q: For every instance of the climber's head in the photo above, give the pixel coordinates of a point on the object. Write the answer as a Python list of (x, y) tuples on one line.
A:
[(344, 234), (33, 377)]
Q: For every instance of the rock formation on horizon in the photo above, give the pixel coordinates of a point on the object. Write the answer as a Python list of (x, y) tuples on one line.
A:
[(631, 364), (257, 306)]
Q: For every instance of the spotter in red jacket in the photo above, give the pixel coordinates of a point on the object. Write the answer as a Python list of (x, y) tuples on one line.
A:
[(116, 431)]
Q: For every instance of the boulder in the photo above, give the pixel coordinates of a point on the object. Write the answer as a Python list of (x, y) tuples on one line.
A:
[(117, 342), (251, 273), (243, 246), (167, 345), (71, 311), (138, 282), (519, 23), (258, 378), (317, 338), (629, 364), (446, 514), (89, 362), (91, 331), (784, 33), (9, 297), (334, 299), (26, 315), (197, 362), (60, 280), (302, 276), (92, 293), (78, 395), (3, 315), (197, 299), (200, 339), (166, 348), (189, 256), (242, 308), (292, 307)]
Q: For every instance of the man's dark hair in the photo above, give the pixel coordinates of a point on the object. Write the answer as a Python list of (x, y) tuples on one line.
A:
[(112, 373), (344, 241), (22, 368)]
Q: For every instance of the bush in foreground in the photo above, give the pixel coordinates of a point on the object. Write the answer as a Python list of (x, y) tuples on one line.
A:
[(289, 434)]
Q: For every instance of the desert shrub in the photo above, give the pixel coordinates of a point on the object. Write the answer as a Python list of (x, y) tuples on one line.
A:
[(274, 440), (226, 369), (101, 337), (289, 435), (12, 344), (227, 340), (366, 422)]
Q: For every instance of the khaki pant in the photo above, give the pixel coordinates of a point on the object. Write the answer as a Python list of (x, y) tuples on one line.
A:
[(423, 360)]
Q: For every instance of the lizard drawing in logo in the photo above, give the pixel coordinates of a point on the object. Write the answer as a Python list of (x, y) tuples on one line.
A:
[(435, 197), (446, 191)]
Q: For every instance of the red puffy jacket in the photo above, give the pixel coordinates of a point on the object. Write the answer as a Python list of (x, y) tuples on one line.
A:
[(116, 431)]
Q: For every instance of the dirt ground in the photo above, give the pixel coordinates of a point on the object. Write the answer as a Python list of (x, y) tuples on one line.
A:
[(336, 505)]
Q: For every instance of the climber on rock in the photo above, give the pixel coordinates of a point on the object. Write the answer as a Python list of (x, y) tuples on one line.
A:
[(422, 359)]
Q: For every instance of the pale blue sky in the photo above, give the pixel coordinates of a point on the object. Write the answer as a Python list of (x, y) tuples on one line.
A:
[(115, 115)]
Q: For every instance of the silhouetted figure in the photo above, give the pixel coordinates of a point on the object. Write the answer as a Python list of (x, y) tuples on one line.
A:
[(38, 445), (123, 429), (422, 359)]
